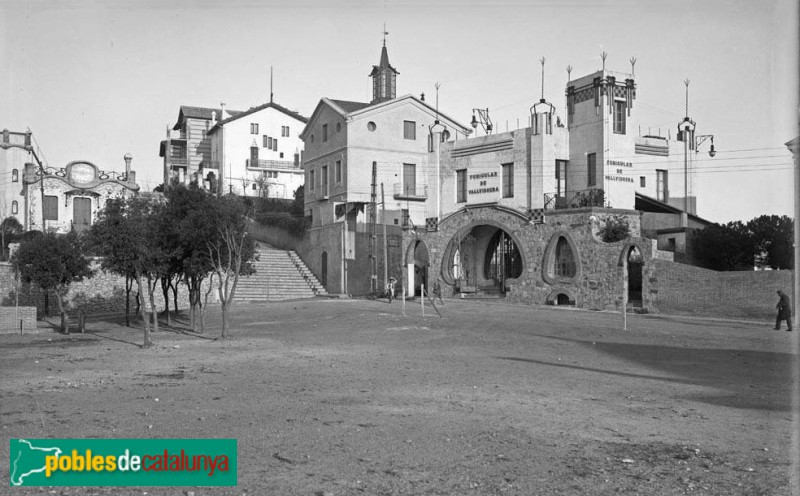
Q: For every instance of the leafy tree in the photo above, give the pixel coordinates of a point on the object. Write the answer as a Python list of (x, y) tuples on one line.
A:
[(53, 262), (187, 212), (724, 247), (229, 249), (773, 241), (123, 234)]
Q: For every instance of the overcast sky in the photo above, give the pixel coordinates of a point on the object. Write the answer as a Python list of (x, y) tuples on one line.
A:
[(96, 79)]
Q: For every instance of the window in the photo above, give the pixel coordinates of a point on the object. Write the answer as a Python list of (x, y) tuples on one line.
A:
[(508, 180), (662, 186), (324, 180), (371, 126), (410, 179), (285, 131), (266, 141), (14, 175), (565, 259), (591, 168), (561, 178), (254, 186), (311, 179), (275, 144), (14, 207), (409, 130), (50, 208), (338, 171), (324, 132), (642, 182), (619, 116), (406, 217), (253, 128), (461, 186)]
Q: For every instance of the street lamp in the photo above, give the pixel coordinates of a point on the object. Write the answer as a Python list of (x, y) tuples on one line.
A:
[(485, 121)]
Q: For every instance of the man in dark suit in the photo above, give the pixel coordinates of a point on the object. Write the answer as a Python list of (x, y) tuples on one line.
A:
[(784, 311)]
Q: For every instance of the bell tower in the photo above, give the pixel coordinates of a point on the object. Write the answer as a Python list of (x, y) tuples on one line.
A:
[(384, 77)]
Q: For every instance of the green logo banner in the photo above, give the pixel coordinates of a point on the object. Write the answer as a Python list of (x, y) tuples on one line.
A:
[(123, 462)]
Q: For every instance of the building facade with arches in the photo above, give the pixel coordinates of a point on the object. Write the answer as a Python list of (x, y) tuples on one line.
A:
[(517, 215)]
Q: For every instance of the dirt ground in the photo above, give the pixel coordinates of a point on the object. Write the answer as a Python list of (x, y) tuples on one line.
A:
[(349, 397)]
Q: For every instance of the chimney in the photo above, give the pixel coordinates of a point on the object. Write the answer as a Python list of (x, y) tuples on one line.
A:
[(213, 118), (128, 157), (223, 114)]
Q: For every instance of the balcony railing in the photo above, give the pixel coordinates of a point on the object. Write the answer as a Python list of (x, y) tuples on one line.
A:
[(178, 161), (410, 192), (271, 164), (577, 199)]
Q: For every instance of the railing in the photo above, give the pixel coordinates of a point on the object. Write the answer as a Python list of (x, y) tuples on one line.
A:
[(179, 161), (577, 199), (271, 164), (410, 192)]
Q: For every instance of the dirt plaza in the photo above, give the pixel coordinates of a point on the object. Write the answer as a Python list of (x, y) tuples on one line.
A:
[(342, 397)]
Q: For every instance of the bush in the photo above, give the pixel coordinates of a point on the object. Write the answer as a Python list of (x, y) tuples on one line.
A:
[(616, 228)]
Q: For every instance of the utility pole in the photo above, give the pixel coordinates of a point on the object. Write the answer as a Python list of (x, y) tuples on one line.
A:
[(794, 146), (385, 241), (373, 236)]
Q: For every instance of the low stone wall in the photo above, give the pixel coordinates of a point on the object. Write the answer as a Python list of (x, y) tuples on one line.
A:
[(103, 293), (750, 295), (12, 318)]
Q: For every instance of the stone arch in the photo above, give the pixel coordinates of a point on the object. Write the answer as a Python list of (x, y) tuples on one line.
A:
[(417, 264), (561, 297), (549, 272), (466, 229)]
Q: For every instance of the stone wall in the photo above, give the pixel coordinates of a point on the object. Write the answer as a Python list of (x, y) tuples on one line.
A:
[(12, 317), (103, 293), (685, 289), (598, 283)]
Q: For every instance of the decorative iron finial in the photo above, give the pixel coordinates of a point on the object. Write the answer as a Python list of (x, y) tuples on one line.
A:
[(569, 71), (633, 66), (437, 86), (542, 61), (384, 34), (603, 56), (686, 82)]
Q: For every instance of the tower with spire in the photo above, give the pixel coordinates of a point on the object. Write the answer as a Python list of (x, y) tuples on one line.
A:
[(384, 77)]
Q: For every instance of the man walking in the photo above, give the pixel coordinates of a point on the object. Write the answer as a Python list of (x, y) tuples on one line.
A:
[(784, 312)]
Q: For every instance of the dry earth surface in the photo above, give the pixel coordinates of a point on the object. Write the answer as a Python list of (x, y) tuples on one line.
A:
[(349, 397)]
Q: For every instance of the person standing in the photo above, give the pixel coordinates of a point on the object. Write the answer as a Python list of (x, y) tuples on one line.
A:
[(784, 311), (390, 288)]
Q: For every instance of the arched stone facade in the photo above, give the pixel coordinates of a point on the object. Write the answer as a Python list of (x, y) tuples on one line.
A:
[(598, 279)]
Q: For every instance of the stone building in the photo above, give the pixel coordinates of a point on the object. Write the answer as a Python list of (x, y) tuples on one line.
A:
[(516, 214), (16, 149)]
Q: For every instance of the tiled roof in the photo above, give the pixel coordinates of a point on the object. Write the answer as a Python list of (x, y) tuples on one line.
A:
[(189, 112), (350, 106), (253, 110)]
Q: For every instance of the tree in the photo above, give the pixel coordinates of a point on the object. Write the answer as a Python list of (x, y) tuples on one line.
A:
[(773, 241), (187, 212), (230, 250), (725, 247), (123, 235), (53, 262)]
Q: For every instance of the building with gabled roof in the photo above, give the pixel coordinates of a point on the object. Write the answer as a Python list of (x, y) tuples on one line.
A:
[(258, 152)]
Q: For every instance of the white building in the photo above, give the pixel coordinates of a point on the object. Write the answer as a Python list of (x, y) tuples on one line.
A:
[(258, 152)]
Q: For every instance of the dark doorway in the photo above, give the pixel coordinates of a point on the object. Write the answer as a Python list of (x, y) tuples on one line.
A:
[(635, 277), (324, 270)]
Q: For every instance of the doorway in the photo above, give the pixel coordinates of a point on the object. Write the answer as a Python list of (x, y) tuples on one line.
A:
[(81, 214)]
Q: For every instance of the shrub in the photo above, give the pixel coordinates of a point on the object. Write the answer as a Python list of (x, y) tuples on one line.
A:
[(616, 228)]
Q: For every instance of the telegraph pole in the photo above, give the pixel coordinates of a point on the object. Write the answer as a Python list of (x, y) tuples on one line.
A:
[(385, 242), (373, 238)]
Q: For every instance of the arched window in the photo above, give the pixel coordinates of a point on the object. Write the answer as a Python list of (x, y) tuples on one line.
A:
[(14, 207), (564, 259), (14, 175)]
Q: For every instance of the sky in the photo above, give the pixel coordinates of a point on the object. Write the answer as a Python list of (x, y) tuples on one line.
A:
[(97, 79)]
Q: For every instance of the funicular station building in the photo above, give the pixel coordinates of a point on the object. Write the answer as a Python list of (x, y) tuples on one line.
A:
[(515, 215)]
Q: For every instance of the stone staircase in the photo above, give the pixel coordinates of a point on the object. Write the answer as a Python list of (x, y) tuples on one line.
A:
[(280, 275)]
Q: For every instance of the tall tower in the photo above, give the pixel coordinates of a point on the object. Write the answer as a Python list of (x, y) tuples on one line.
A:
[(384, 78)]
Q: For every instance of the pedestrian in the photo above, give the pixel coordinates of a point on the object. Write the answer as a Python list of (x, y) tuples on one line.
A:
[(784, 312), (437, 291), (390, 288)]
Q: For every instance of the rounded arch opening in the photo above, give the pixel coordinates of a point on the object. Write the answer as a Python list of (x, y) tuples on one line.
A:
[(482, 257)]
